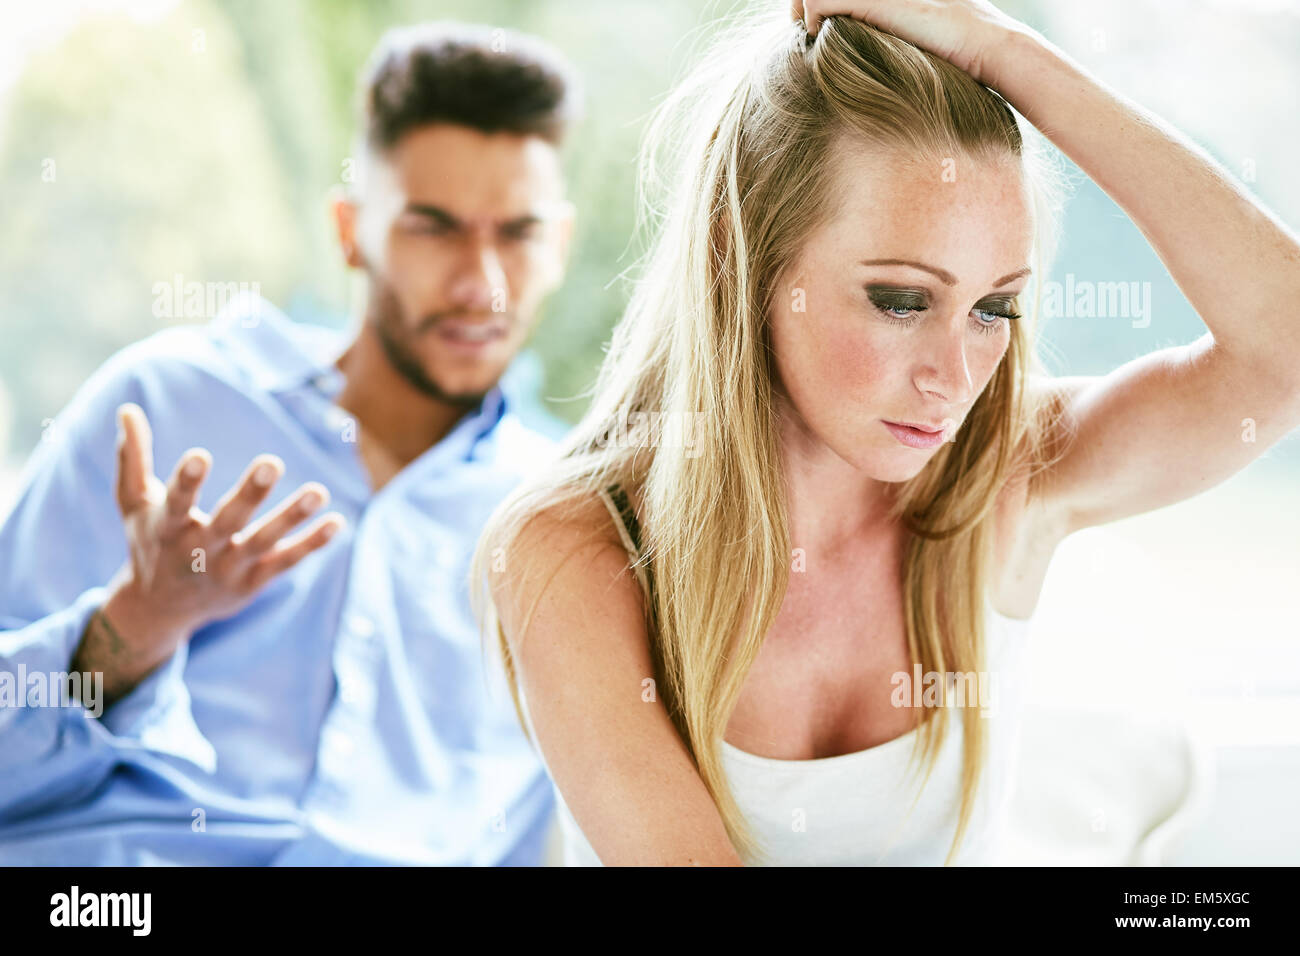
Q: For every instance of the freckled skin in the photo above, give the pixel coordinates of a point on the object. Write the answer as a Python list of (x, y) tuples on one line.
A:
[(841, 363)]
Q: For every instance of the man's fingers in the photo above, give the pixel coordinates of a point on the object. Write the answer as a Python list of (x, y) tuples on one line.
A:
[(239, 503), (292, 550), (134, 457), (183, 488), (262, 535)]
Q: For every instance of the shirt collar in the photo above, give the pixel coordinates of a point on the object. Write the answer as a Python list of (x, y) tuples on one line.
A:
[(281, 355), (273, 351)]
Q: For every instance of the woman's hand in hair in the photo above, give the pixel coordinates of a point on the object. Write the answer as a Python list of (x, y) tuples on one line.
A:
[(966, 33)]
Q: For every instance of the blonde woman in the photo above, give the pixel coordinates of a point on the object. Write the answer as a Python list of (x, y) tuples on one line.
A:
[(717, 621)]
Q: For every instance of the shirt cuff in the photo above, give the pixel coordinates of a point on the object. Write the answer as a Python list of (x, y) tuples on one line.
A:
[(155, 715)]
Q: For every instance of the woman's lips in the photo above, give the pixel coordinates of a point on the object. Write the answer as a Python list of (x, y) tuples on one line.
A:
[(915, 437)]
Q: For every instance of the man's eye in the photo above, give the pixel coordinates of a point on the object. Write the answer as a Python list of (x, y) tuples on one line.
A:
[(521, 233), (426, 227)]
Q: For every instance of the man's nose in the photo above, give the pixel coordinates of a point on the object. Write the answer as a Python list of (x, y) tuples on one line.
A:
[(479, 280)]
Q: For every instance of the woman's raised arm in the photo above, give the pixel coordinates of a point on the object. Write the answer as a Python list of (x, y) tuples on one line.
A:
[(1174, 422)]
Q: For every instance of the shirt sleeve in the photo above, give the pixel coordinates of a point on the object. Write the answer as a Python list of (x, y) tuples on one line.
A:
[(59, 548)]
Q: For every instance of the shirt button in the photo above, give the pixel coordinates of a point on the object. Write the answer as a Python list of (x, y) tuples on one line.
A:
[(350, 692), (342, 744), (361, 626)]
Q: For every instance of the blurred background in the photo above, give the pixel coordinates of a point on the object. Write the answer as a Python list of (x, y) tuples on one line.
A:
[(141, 140)]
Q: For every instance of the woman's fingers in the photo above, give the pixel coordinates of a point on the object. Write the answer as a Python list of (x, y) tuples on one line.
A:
[(262, 535), (811, 14), (811, 20)]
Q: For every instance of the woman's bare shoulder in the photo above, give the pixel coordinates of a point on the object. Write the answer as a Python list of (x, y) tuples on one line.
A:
[(563, 556), (583, 661)]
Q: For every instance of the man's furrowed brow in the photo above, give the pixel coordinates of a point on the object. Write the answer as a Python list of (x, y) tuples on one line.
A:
[(438, 215), (527, 219), (444, 218)]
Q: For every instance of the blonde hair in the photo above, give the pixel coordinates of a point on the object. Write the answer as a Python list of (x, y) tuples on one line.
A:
[(753, 128)]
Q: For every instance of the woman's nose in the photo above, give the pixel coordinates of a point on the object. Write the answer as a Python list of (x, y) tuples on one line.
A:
[(947, 377)]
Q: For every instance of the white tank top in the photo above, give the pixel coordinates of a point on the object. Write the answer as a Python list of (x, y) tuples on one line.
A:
[(853, 809)]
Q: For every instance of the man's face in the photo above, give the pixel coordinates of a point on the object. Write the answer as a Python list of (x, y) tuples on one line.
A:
[(462, 234)]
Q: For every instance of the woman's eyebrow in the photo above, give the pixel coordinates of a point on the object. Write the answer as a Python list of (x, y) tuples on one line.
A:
[(944, 276)]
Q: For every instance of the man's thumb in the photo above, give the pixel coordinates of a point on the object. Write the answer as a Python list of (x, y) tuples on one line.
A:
[(134, 457)]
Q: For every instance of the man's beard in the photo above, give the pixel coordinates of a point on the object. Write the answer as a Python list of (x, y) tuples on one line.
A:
[(395, 340)]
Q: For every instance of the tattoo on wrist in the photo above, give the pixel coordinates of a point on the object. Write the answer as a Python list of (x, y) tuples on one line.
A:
[(115, 643)]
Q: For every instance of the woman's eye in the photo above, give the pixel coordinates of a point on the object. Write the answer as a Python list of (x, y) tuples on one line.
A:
[(900, 311), (898, 308), (996, 316)]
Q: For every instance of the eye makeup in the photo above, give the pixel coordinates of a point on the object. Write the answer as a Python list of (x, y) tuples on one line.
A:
[(900, 306)]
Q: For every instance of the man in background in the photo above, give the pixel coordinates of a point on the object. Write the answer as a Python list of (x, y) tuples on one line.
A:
[(280, 688)]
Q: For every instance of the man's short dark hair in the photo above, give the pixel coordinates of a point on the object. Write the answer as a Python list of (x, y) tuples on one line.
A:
[(487, 78)]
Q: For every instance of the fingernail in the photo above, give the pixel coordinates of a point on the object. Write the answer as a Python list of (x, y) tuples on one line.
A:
[(264, 474), (311, 500), (193, 467), (328, 530)]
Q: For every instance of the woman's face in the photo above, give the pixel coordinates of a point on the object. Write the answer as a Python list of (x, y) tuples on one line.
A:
[(852, 351)]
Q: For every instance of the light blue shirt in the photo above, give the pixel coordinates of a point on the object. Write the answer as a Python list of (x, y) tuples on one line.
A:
[(348, 715)]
